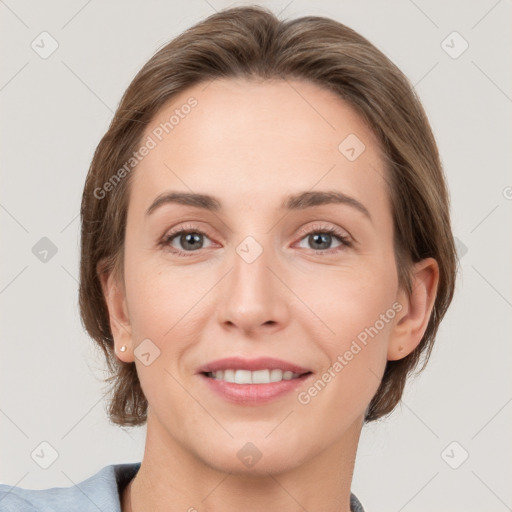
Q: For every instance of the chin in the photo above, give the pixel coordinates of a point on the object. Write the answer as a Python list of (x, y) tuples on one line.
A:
[(255, 456)]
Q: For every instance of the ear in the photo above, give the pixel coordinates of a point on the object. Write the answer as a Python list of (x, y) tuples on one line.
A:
[(115, 297), (411, 324)]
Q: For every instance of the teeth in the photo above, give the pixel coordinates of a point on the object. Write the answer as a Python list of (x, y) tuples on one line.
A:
[(256, 377)]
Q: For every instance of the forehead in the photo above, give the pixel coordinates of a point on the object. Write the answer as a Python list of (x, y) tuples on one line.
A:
[(253, 142)]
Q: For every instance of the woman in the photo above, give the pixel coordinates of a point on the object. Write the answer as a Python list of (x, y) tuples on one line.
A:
[(266, 255)]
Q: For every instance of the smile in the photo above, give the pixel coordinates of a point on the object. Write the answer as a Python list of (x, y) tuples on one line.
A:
[(253, 377)]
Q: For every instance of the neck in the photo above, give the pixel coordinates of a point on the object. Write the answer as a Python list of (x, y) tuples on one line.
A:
[(172, 478)]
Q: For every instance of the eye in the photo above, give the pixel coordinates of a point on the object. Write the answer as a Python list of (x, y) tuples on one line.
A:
[(320, 239), (188, 239)]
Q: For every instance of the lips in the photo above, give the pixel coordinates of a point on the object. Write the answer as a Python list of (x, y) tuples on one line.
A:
[(261, 363)]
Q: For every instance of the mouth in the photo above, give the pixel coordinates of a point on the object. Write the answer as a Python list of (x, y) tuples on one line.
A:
[(265, 376), (253, 381), (261, 370)]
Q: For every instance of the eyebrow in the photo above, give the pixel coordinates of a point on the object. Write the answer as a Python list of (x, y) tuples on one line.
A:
[(299, 201)]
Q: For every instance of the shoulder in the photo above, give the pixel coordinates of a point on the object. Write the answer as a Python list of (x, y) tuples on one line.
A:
[(98, 492), (355, 504)]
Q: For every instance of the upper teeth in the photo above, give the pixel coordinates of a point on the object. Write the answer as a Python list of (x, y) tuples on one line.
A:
[(256, 377)]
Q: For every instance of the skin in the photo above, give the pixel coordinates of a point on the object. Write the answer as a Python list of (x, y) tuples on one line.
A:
[(250, 144)]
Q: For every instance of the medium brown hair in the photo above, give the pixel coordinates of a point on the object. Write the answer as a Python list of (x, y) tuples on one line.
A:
[(252, 42)]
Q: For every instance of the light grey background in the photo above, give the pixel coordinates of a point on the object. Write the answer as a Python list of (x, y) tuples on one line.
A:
[(54, 112)]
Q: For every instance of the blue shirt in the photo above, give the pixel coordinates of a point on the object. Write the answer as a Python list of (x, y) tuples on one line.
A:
[(100, 492)]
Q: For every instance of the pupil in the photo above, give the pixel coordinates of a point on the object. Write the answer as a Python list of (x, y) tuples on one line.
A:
[(191, 238), (323, 238)]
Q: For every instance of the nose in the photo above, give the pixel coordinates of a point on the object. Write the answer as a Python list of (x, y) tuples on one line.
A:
[(254, 296)]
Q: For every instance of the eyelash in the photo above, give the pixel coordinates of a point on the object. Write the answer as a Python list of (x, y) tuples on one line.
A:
[(345, 241)]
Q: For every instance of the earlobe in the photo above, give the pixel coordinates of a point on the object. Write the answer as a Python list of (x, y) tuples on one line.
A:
[(115, 299), (411, 325)]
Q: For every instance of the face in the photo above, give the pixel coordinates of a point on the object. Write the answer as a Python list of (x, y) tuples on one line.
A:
[(309, 282)]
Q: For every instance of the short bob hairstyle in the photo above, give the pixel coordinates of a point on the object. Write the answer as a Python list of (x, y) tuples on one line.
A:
[(252, 42)]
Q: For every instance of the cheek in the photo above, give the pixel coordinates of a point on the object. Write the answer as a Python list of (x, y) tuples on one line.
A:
[(164, 309), (355, 361), (349, 299), (158, 293), (357, 311)]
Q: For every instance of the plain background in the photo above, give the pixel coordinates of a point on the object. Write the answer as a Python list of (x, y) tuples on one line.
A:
[(54, 112)]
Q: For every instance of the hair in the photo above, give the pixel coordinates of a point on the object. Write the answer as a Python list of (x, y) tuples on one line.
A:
[(251, 42)]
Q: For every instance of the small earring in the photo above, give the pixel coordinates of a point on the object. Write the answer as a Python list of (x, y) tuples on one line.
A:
[(123, 348)]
